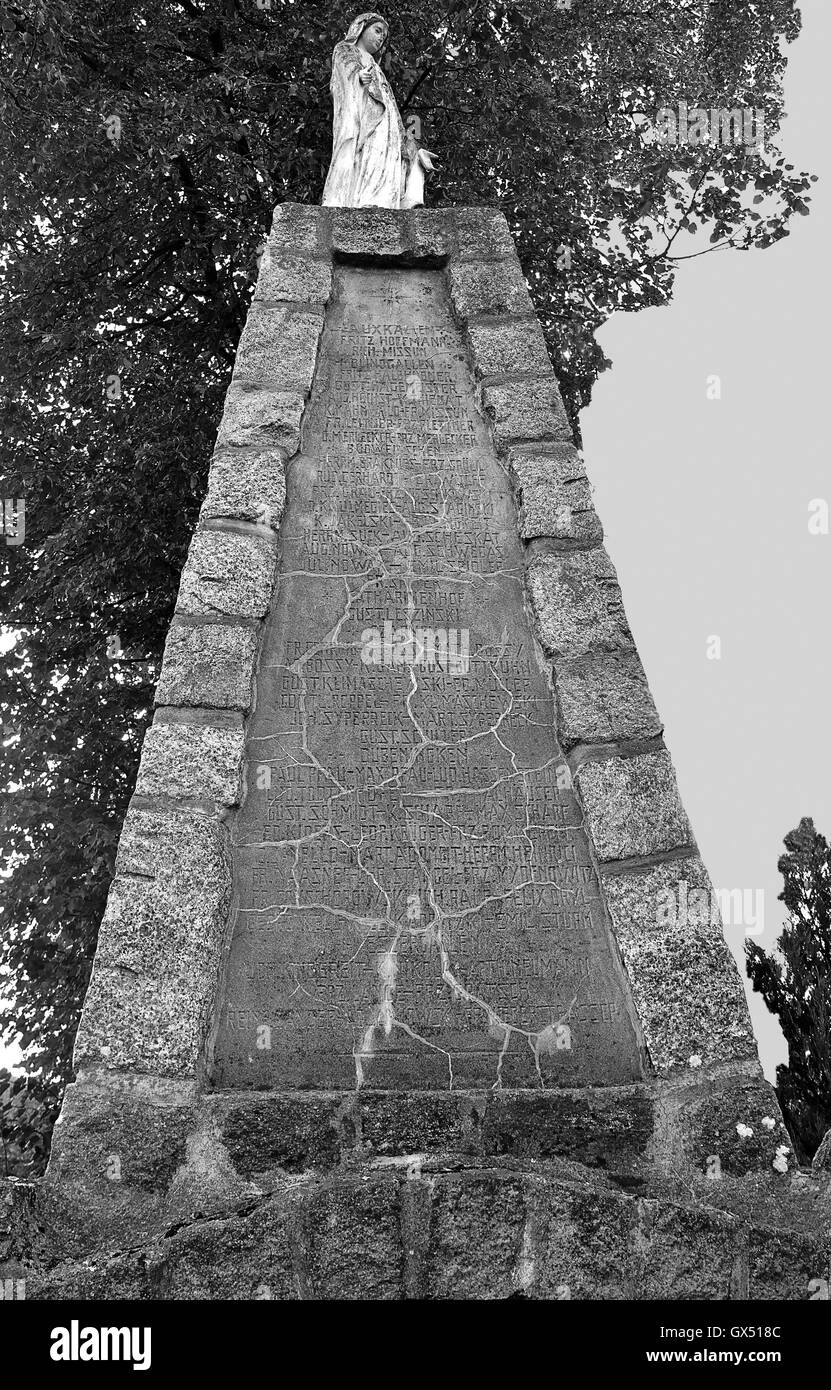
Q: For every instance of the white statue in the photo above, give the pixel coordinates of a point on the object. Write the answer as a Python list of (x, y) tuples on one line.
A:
[(375, 162)]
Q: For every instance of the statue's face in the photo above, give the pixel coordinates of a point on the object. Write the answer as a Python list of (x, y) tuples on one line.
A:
[(373, 38)]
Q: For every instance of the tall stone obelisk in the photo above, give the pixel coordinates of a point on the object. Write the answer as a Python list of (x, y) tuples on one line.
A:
[(384, 990)]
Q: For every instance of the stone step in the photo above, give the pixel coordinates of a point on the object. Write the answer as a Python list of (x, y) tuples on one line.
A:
[(418, 1229)]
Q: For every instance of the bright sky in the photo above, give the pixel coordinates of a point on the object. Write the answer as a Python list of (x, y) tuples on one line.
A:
[(706, 507)]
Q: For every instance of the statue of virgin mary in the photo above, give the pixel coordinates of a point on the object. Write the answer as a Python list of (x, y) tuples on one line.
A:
[(375, 163)]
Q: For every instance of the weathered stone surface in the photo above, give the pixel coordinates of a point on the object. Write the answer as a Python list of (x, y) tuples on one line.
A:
[(577, 601), (482, 235), (23, 1238), (565, 513), (356, 229), (160, 947), (247, 1256), (247, 487), (299, 228), (555, 497), (476, 1246), (429, 235), (191, 760), (604, 697), (423, 1226), (508, 346), (822, 1158), (109, 1141), (497, 287), (787, 1266), (279, 345), (525, 410), (556, 462), (686, 1254), (420, 235), (632, 806), (730, 1127), (352, 1238), (392, 1124), (123, 1277), (440, 956), (210, 665), (290, 1133), (227, 575), (685, 983), (115, 1154), (286, 276), (583, 1244), (610, 1127), (262, 418)]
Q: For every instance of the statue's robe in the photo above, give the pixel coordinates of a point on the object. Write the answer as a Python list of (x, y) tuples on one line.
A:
[(369, 146)]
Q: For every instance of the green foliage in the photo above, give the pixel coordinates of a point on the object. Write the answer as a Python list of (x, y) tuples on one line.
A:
[(796, 986), (143, 149)]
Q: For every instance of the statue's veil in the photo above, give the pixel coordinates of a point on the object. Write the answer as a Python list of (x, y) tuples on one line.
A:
[(358, 25)]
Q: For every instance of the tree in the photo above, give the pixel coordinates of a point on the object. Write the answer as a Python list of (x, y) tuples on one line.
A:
[(796, 986), (143, 149), (28, 1110)]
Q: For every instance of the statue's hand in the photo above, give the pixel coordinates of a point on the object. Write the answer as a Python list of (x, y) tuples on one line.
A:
[(425, 159), (365, 77)]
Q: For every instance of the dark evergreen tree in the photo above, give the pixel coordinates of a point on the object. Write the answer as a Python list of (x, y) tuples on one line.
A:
[(795, 983)]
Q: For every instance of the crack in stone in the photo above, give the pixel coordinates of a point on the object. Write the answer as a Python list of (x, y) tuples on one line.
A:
[(410, 527)]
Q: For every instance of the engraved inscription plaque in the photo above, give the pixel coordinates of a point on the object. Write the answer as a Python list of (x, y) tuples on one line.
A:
[(415, 903)]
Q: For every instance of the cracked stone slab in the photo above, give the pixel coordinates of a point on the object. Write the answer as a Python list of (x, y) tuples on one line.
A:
[(603, 698), (247, 487), (160, 947), (508, 346), (578, 604), (279, 345), (191, 760), (632, 806), (685, 982), (526, 410), (416, 904), (227, 575), (261, 417)]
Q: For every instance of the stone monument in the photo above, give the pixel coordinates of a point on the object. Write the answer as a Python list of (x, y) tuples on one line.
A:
[(387, 1001)]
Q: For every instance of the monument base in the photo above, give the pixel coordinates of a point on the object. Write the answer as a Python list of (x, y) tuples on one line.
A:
[(590, 1194)]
